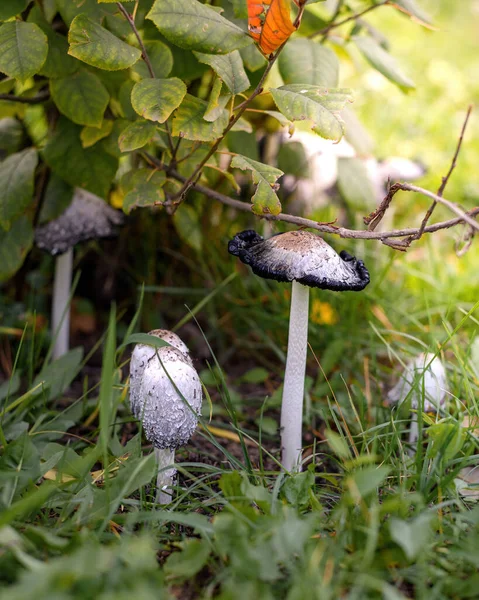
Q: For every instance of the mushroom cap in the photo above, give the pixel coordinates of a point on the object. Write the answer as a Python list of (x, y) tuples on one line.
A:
[(301, 256), (141, 356), (88, 217), (425, 372), (169, 418)]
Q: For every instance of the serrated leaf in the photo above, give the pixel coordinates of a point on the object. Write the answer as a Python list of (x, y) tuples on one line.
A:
[(14, 246), (81, 97), (187, 225), (229, 67), (317, 104), (161, 59), (382, 61), (11, 8), (355, 185), (189, 123), (89, 168), (136, 135), (91, 135), (96, 46), (23, 49), (16, 184), (156, 99), (194, 26), (265, 201), (142, 187), (305, 61)]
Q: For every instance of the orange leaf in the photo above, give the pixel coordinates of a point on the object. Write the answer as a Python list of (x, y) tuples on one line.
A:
[(269, 23)]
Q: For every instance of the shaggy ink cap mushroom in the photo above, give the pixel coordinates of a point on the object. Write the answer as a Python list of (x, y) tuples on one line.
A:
[(166, 396), (87, 217), (300, 256), (306, 260)]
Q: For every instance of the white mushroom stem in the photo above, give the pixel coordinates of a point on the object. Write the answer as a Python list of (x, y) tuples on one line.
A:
[(166, 477), (293, 391), (60, 304)]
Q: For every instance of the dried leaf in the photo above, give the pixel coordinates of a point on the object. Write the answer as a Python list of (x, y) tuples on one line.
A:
[(269, 23)]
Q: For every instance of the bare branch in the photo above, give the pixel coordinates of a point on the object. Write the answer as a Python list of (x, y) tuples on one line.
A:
[(342, 232), (324, 32), (144, 53), (445, 179), (38, 99)]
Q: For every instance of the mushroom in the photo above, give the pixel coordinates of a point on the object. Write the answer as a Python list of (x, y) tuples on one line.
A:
[(424, 378), (166, 396), (88, 217), (308, 261)]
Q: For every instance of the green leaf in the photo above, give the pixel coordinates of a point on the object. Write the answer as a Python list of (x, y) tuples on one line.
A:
[(142, 187), (81, 97), (189, 123), (412, 536), (296, 489), (59, 374), (265, 201), (305, 61), (216, 102), (382, 61), (411, 7), (366, 480), (188, 226), (91, 135), (11, 8), (300, 102), (69, 9), (161, 59), (189, 561), (57, 198), (16, 184), (156, 99), (23, 49), (252, 58), (11, 134), (136, 135), (146, 339), (229, 67), (14, 246), (292, 160), (95, 45), (194, 26), (90, 168), (355, 185)]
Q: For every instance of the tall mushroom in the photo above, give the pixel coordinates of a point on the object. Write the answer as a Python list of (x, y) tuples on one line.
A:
[(166, 396), (308, 261), (88, 217)]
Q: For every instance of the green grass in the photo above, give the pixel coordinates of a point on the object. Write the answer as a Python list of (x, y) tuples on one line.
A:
[(365, 520)]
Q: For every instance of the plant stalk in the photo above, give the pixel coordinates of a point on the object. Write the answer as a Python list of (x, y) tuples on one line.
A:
[(60, 304), (293, 391), (166, 477)]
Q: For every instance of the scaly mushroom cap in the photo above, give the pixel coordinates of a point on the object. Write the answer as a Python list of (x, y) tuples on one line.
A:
[(169, 416), (425, 372), (300, 256), (88, 217), (140, 358)]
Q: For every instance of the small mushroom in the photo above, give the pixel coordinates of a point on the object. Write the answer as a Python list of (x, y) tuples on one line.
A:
[(424, 379), (308, 261), (88, 217), (166, 396)]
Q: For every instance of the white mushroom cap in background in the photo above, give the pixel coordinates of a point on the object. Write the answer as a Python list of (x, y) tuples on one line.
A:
[(169, 417), (142, 354), (425, 372)]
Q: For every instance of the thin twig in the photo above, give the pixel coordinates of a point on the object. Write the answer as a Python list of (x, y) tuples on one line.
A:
[(146, 58), (327, 227), (38, 99), (445, 179), (324, 32), (240, 110), (144, 53)]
